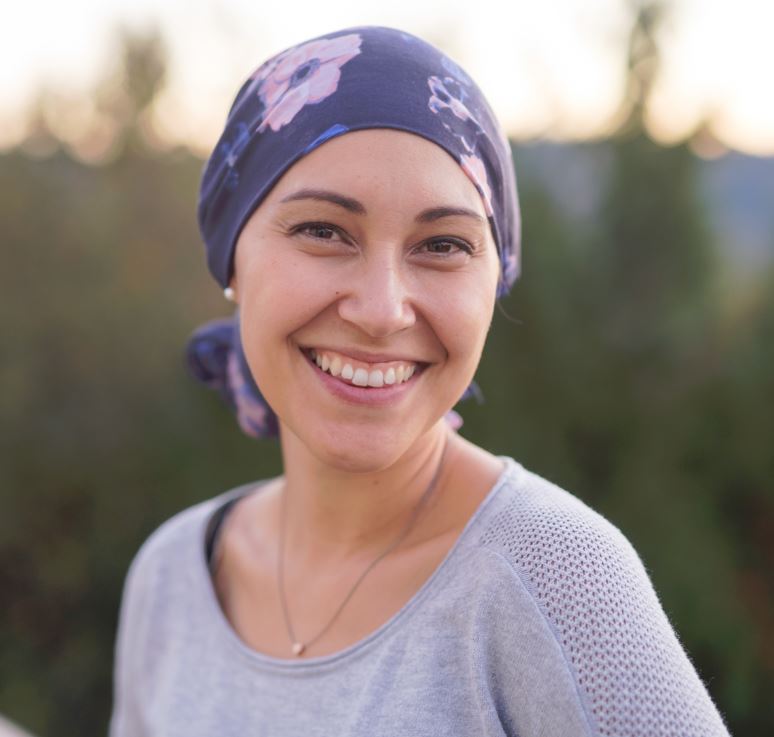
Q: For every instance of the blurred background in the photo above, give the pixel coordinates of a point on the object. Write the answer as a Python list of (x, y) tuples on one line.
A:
[(633, 363)]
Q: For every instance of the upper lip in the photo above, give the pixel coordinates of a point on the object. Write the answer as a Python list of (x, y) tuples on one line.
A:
[(366, 356)]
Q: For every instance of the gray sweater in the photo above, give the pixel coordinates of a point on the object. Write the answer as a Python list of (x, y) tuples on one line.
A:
[(541, 620)]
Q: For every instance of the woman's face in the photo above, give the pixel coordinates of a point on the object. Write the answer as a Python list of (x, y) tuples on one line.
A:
[(373, 256)]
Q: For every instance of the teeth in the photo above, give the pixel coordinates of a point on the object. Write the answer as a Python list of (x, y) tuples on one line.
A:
[(360, 378), (376, 378)]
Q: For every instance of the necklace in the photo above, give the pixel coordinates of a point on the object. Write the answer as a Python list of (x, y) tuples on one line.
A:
[(297, 646)]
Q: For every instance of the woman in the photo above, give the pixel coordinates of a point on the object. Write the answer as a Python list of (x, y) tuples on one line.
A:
[(360, 209)]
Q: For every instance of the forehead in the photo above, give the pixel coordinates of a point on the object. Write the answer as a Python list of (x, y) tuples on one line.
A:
[(384, 164)]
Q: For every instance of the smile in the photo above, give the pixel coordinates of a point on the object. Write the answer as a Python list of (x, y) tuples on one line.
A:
[(359, 373)]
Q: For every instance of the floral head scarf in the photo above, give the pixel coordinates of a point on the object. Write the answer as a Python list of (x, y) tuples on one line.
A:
[(356, 79)]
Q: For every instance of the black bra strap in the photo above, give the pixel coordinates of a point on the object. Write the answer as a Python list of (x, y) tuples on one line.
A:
[(215, 527)]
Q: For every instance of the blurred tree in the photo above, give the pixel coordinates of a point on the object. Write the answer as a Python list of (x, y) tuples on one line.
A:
[(127, 94), (643, 63), (102, 436), (625, 388)]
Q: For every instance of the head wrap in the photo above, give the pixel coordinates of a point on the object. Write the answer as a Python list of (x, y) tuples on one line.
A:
[(355, 79)]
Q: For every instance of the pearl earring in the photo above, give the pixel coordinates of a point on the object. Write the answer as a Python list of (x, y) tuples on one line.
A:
[(229, 294)]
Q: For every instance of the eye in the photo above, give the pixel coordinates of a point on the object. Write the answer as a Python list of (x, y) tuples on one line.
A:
[(446, 246), (318, 231)]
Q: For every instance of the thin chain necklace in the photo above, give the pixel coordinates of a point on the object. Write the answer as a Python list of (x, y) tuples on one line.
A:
[(297, 646)]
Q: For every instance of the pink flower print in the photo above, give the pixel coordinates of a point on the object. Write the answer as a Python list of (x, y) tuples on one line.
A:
[(476, 171), (302, 76), (442, 98), (510, 267), (453, 419), (456, 71), (252, 415)]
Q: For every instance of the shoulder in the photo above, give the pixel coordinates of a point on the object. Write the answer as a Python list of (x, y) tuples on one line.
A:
[(596, 596), (171, 555), (541, 528), (578, 568), (174, 536), (166, 580), (164, 588)]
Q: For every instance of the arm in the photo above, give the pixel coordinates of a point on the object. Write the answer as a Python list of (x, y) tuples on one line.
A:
[(631, 671)]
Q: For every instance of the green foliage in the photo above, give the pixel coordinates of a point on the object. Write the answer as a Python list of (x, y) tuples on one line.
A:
[(620, 373), (103, 433)]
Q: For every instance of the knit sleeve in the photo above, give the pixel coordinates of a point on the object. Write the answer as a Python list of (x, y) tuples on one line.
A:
[(145, 629), (631, 671), (127, 669)]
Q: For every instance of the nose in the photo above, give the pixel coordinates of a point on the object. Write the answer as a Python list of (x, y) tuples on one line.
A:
[(378, 300)]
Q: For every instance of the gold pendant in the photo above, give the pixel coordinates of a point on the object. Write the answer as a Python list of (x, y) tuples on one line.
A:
[(298, 648)]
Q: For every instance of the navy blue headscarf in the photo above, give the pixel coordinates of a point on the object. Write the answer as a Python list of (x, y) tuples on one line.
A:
[(354, 79)]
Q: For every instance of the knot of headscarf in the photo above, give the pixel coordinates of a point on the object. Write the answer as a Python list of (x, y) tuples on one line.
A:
[(355, 79)]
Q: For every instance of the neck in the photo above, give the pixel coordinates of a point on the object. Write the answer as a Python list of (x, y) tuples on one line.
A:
[(334, 513)]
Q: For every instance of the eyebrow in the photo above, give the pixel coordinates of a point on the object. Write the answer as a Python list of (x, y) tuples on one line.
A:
[(352, 205), (436, 213), (323, 195)]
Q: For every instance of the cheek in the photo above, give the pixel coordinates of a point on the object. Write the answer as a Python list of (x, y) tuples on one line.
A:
[(277, 294), (461, 315)]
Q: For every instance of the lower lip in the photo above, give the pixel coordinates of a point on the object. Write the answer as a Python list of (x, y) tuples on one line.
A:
[(370, 396)]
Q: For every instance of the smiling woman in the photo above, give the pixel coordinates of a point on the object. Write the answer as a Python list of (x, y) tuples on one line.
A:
[(360, 209), (398, 274)]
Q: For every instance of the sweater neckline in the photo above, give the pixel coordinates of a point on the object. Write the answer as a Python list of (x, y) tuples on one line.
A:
[(256, 659)]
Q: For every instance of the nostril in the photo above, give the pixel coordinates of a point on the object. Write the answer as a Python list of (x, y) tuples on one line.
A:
[(378, 318)]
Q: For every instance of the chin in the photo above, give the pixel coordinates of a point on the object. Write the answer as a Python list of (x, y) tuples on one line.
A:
[(360, 451), (360, 447)]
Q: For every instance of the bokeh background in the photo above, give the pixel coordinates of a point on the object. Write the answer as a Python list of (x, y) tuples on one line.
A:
[(633, 364)]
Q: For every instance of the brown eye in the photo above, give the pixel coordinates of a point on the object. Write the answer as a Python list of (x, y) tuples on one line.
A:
[(440, 247), (320, 231), (317, 230), (447, 246), (322, 238)]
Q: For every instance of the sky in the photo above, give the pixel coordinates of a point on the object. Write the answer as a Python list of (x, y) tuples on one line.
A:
[(550, 69)]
